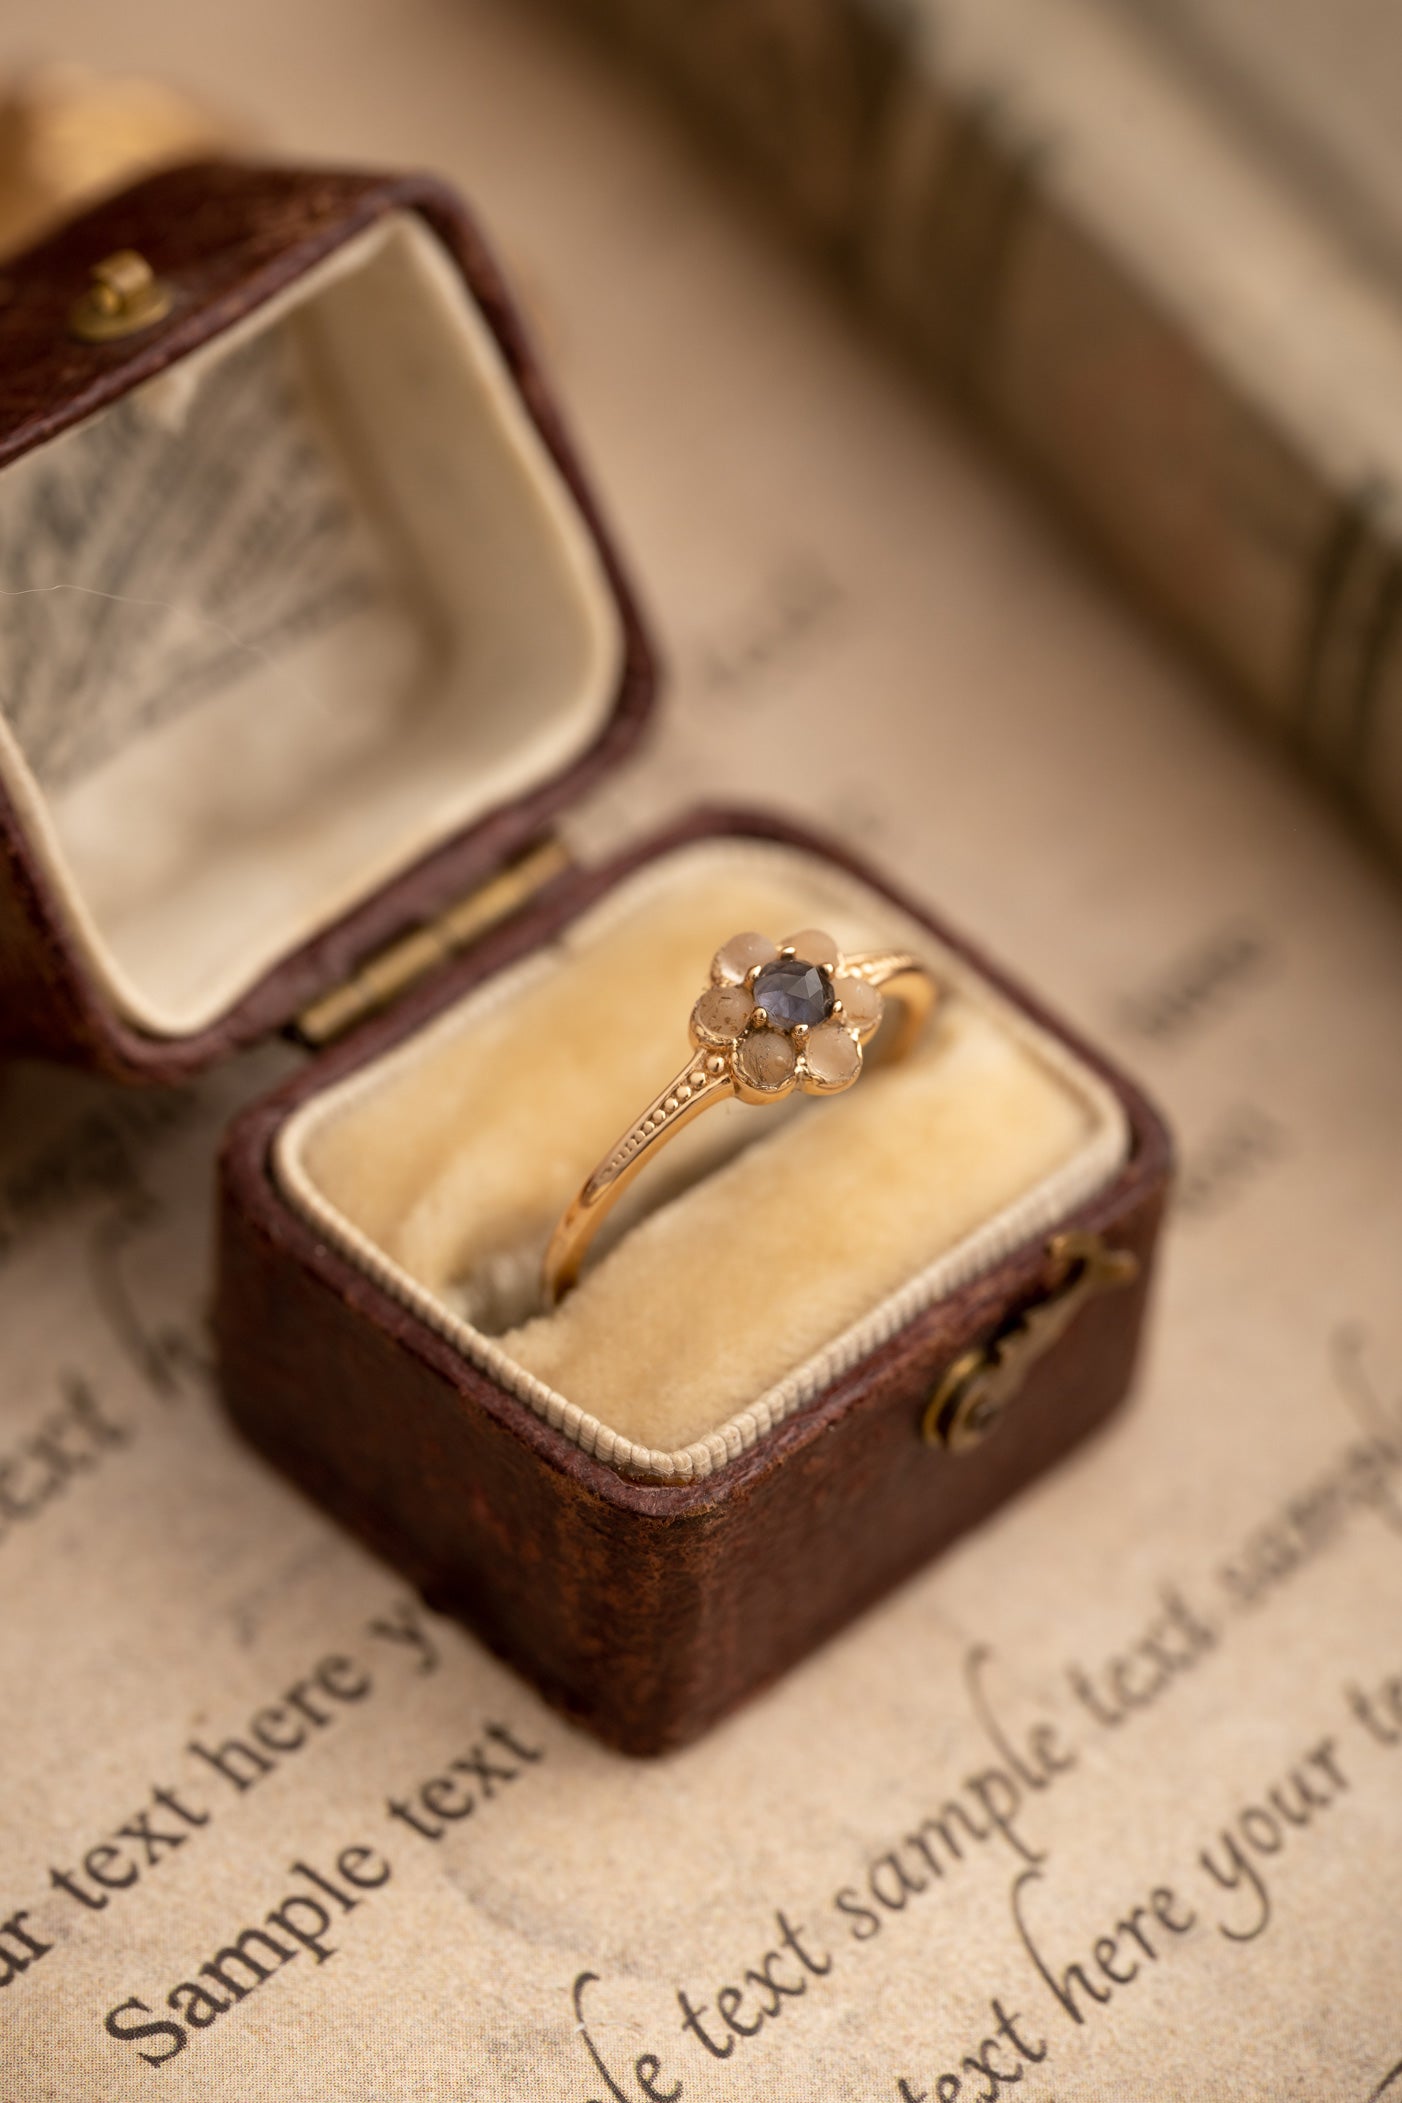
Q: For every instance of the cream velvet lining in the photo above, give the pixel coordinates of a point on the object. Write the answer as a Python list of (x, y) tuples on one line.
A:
[(782, 1247), (285, 620)]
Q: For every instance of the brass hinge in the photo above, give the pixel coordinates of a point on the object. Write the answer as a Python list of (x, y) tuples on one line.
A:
[(391, 971), (972, 1395)]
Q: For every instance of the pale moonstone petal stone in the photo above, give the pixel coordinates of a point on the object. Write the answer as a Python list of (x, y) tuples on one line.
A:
[(862, 1005), (766, 1059), (739, 956), (814, 947), (721, 1014), (832, 1055)]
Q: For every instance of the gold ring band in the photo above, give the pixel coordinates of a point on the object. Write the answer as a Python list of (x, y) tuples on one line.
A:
[(776, 1016)]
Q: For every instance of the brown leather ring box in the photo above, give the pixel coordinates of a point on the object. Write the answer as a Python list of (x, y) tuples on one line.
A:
[(365, 636)]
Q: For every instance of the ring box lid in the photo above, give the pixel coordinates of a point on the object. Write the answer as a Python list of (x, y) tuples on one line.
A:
[(310, 623)]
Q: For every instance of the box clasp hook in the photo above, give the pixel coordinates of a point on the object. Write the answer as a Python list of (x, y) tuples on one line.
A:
[(123, 297), (971, 1396)]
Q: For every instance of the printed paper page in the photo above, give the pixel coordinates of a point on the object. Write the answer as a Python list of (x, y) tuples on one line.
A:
[(1109, 1801)]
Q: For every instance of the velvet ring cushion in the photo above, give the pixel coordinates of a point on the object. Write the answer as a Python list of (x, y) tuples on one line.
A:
[(286, 618), (779, 1246)]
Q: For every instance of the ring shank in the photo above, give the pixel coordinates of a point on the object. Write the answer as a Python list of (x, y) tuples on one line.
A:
[(679, 1104), (703, 1081)]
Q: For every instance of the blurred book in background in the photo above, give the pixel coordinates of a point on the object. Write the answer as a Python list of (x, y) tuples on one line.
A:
[(1157, 245)]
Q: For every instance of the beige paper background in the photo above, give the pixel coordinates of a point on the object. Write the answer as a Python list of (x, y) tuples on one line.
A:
[(867, 626)]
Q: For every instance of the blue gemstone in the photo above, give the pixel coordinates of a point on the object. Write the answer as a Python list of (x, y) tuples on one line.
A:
[(794, 994)]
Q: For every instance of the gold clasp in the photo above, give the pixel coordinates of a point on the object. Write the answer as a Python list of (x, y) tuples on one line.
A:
[(973, 1394), (125, 295)]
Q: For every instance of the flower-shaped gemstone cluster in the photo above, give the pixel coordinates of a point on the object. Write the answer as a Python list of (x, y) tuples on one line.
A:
[(786, 1015)]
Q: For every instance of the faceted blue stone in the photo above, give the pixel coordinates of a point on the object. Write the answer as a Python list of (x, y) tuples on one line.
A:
[(793, 993)]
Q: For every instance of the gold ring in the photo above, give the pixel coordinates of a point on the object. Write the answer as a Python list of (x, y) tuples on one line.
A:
[(776, 1016)]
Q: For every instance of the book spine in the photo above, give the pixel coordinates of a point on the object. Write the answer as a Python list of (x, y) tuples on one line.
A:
[(1266, 531)]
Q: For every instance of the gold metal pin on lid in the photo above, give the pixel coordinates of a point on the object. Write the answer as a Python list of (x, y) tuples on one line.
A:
[(125, 295)]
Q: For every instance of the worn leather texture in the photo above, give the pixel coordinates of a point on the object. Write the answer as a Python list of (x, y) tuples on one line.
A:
[(228, 237), (646, 1612)]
